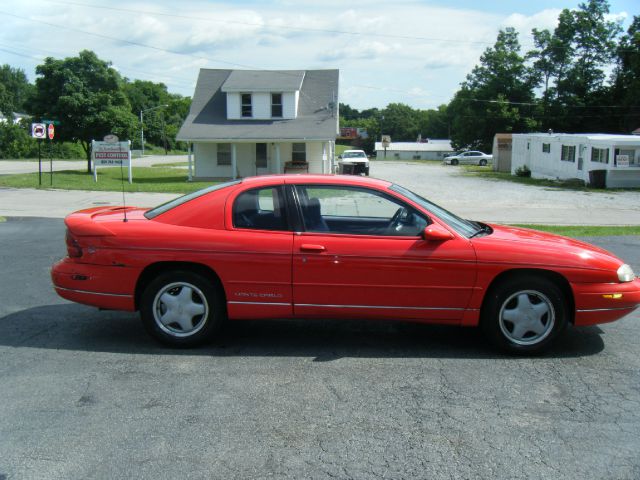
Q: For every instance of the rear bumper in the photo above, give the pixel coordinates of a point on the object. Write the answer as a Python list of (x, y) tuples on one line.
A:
[(602, 303), (96, 285)]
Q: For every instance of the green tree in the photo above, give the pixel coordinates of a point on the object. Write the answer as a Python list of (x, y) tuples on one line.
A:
[(625, 91), (495, 97), (570, 64), (15, 90), (87, 96)]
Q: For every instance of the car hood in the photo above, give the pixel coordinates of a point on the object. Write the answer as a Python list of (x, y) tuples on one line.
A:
[(525, 246)]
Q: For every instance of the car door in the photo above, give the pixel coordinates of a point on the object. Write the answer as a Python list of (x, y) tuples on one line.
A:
[(257, 267), (355, 259)]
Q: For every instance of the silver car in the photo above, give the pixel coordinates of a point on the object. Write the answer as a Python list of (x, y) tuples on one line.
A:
[(472, 157)]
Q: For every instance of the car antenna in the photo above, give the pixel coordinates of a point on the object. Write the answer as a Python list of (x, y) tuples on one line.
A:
[(124, 203)]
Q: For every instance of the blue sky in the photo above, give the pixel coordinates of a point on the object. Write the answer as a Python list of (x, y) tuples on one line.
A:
[(410, 51)]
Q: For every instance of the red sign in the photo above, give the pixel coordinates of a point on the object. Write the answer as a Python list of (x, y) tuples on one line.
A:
[(348, 132), (112, 155), (51, 131)]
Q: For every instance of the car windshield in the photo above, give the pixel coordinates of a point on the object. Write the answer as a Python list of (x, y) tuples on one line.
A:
[(353, 155), (460, 225), (160, 209)]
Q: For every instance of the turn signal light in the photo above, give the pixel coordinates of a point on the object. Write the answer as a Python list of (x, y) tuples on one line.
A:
[(73, 247), (614, 296)]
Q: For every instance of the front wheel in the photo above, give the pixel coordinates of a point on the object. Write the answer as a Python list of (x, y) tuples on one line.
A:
[(524, 315), (454, 162), (482, 163), (181, 309)]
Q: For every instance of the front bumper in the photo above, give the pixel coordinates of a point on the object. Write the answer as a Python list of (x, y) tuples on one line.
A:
[(354, 168), (603, 303), (109, 287)]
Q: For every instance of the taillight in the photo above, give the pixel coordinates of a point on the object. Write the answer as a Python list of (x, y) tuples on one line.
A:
[(73, 247)]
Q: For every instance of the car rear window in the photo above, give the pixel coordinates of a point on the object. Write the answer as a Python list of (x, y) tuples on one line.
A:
[(165, 207)]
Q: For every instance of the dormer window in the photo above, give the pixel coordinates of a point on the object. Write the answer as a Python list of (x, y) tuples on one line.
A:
[(246, 106), (276, 105)]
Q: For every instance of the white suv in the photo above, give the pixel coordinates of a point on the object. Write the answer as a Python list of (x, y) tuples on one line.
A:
[(353, 162)]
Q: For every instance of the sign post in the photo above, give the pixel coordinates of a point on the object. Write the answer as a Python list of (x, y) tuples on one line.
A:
[(51, 133), (38, 131), (111, 153), (386, 141)]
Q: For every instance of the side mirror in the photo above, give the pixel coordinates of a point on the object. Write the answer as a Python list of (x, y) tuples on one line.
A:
[(339, 157), (436, 233)]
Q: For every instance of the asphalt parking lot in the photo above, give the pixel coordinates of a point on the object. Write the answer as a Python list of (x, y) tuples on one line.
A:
[(86, 394)]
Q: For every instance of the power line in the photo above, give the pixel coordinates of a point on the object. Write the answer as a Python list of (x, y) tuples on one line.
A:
[(263, 25), (129, 42), (309, 29), (536, 104)]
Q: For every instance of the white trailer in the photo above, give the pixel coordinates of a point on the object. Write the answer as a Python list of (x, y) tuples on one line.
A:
[(602, 160)]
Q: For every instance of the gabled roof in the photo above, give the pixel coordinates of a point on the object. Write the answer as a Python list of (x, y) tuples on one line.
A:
[(264, 81), (317, 117)]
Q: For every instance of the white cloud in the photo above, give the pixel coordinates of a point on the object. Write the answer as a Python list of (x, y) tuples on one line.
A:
[(410, 51)]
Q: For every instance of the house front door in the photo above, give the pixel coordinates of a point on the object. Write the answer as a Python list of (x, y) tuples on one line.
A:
[(262, 161)]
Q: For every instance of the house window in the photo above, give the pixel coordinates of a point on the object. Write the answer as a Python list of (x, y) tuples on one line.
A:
[(276, 105), (246, 107), (224, 154), (261, 155), (600, 155), (299, 153), (546, 148), (568, 153)]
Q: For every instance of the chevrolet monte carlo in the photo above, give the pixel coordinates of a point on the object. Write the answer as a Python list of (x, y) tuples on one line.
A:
[(316, 246)]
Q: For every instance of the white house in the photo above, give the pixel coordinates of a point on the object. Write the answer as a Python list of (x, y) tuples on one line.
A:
[(253, 122), (427, 150), (16, 117), (598, 159)]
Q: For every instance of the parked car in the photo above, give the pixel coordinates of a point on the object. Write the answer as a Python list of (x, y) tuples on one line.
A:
[(473, 157), (354, 162), (331, 246)]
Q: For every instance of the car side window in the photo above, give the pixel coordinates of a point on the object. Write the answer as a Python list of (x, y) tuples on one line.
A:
[(260, 209), (357, 211)]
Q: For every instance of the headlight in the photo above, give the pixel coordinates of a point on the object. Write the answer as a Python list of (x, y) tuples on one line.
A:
[(625, 273)]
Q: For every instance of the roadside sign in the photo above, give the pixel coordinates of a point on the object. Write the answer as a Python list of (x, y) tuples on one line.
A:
[(110, 138), (386, 140), (55, 122), (51, 131), (38, 130), (111, 154)]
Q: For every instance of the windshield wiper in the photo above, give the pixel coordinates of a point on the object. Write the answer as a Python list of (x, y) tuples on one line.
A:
[(482, 229)]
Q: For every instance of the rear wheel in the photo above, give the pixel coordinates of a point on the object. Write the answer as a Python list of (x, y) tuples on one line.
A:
[(181, 309), (525, 314)]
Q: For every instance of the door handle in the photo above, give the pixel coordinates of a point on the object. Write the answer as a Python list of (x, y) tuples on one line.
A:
[(307, 247)]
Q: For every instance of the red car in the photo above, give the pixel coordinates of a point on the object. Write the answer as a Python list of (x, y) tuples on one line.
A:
[(314, 246)]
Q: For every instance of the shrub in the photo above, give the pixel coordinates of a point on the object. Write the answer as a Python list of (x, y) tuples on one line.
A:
[(523, 171)]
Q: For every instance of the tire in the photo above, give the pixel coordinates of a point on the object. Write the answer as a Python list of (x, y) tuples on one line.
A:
[(366, 171), (454, 161), (182, 309), (482, 163), (524, 315)]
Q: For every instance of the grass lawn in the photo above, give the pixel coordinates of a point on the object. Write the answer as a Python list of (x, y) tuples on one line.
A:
[(156, 179), (172, 164), (586, 230)]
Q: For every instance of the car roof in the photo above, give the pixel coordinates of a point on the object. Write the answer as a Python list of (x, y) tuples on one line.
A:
[(349, 180)]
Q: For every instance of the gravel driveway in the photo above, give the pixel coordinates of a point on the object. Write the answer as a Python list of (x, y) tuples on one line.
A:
[(507, 202), (471, 197)]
